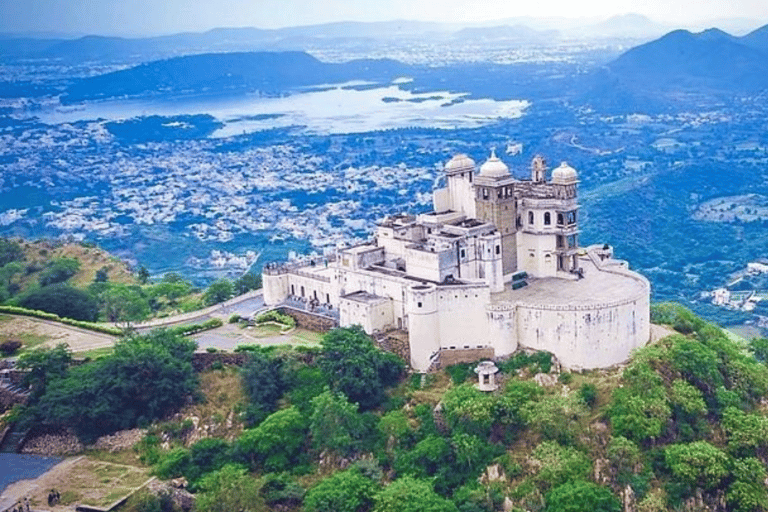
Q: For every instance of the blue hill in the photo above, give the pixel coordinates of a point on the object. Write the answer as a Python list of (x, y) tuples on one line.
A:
[(267, 72), (710, 59)]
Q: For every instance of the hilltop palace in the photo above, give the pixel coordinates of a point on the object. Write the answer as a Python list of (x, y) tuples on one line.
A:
[(496, 266)]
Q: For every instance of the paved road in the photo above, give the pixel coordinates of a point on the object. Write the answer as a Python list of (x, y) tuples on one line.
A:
[(244, 305)]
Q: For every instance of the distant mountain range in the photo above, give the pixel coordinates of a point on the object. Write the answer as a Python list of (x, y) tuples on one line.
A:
[(709, 60), (124, 50), (266, 72)]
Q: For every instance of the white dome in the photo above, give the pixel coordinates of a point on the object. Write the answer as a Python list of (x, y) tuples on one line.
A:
[(494, 168), (460, 163), (565, 175)]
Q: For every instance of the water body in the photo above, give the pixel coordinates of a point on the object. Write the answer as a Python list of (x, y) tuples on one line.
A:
[(338, 108), (17, 466)]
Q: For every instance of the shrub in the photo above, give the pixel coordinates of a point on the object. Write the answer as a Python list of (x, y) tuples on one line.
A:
[(580, 496), (344, 491), (59, 270), (62, 300), (560, 464), (697, 464), (276, 316), (9, 347), (588, 393)]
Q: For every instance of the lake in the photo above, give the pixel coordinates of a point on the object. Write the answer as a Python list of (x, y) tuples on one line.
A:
[(17, 466), (338, 108)]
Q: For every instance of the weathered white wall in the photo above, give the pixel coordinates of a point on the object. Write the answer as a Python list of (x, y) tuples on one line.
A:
[(423, 325), (372, 316), (585, 337), (502, 331), (536, 254), (275, 288), (461, 316)]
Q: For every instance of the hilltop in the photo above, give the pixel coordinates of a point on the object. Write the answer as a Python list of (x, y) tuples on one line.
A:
[(681, 426)]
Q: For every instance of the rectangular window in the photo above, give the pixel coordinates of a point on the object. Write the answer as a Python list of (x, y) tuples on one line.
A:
[(498, 249), (418, 304)]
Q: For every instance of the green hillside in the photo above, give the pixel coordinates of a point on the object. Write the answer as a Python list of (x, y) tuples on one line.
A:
[(683, 426)]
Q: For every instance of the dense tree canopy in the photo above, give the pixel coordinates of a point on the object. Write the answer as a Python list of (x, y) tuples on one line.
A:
[(59, 270), (344, 491), (62, 300), (147, 377), (357, 368), (10, 250)]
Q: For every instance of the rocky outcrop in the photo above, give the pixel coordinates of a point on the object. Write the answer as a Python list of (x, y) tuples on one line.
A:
[(52, 444), (121, 440)]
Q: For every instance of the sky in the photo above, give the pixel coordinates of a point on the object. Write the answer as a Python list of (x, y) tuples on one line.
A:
[(152, 17)]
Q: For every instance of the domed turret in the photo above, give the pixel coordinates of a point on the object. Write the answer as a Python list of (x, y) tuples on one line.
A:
[(494, 168), (460, 163), (565, 175)]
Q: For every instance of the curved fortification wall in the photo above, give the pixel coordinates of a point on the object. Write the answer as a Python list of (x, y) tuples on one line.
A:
[(584, 330), (586, 336)]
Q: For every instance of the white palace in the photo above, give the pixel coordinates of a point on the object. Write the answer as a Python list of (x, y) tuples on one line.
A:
[(497, 265)]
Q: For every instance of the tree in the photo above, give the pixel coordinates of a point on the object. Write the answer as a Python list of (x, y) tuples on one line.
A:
[(408, 494), (8, 272), (276, 443), (102, 275), (44, 364), (10, 250), (560, 464), (143, 275), (264, 382), (333, 423), (357, 368), (218, 291), (344, 491), (62, 300), (747, 493), (59, 270), (697, 464), (145, 378), (468, 409), (122, 303), (556, 417), (229, 489), (247, 282), (579, 496)]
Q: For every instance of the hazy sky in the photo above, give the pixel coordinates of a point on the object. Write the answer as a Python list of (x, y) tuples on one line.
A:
[(141, 17)]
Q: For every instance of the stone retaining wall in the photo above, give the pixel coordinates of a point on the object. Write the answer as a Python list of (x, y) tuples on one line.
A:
[(449, 357), (202, 361), (9, 398), (307, 320)]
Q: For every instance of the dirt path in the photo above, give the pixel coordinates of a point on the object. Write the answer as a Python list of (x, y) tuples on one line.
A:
[(53, 333), (77, 480)]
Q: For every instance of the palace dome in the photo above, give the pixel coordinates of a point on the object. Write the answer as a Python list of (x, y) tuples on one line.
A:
[(494, 168), (565, 175), (460, 163)]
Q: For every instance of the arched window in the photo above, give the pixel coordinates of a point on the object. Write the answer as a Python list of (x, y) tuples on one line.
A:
[(547, 219), (559, 219), (530, 218)]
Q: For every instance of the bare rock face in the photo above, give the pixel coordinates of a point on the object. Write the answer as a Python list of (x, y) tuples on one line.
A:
[(545, 380), (121, 440), (602, 471), (61, 443), (180, 497), (509, 505), (629, 500), (493, 473)]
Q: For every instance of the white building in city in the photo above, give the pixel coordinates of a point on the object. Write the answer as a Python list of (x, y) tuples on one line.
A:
[(496, 265)]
